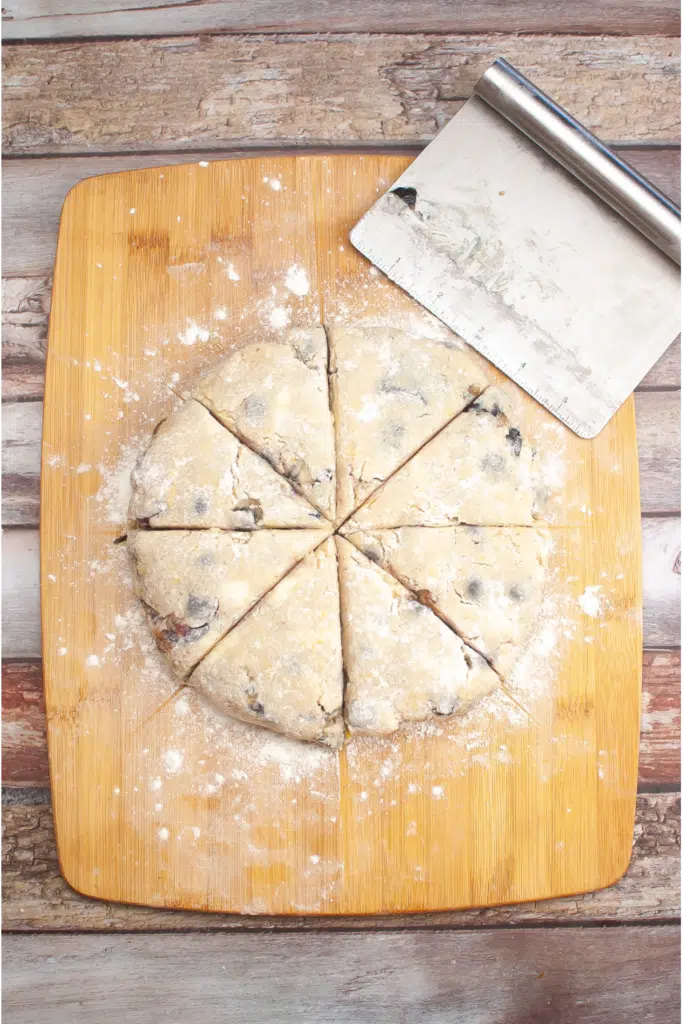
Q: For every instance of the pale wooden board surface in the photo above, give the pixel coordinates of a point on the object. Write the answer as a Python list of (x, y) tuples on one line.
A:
[(52, 19), (661, 588), (576, 976), (658, 433), (575, 760), (191, 91)]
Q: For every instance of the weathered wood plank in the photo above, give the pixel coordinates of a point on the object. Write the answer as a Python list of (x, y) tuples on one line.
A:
[(34, 191), (21, 441), (658, 426), (24, 740), (215, 91), (576, 976), (63, 19), (36, 897), (660, 722), (661, 582), (24, 744), (661, 588), (26, 307), (20, 594), (25, 311), (658, 418)]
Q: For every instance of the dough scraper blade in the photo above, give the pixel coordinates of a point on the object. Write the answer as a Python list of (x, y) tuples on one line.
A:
[(539, 246)]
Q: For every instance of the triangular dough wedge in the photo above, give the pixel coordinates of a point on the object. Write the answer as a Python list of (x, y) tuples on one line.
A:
[(274, 396), (476, 471), (281, 666), (403, 664), (196, 584), (391, 392), (487, 583), (196, 473)]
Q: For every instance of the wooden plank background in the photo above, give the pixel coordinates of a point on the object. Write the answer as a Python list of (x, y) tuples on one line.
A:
[(511, 975), (93, 86)]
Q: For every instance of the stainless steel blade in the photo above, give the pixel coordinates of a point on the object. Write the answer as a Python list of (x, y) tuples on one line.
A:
[(528, 265)]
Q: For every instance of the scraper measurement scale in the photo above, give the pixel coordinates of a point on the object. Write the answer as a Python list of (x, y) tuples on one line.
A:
[(539, 246)]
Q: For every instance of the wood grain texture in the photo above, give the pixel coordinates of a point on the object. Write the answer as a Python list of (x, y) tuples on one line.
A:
[(24, 743), (660, 719), (26, 307), (54, 19), (575, 976), (573, 751), (34, 191), (661, 588), (662, 562), (214, 91), (658, 431), (36, 897), (25, 311), (24, 740), (20, 594), (658, 435)]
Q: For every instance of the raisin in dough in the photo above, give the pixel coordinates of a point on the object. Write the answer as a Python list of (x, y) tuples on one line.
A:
[(478, 470), (403, 664), (281, 666), (486, 582), (390, 393), (196, 473), (196, 584), (275, 397)]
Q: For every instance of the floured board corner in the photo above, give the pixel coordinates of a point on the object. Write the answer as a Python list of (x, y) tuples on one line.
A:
[(159, 801)]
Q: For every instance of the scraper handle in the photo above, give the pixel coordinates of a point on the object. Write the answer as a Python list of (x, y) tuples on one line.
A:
[(636, 199)]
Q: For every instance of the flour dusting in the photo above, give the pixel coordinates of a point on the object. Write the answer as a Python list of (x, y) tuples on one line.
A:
[(296, 280)]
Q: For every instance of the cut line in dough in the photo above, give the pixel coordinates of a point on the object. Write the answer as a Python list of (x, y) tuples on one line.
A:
[(391, 391), (196, 473), (485, 582), (274, 396), (477, 470), (403, 664), (294, 688), (196, 584)]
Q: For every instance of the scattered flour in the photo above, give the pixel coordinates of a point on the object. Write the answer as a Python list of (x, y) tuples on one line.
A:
[(592, 602), (192, 334), (279, 318), (296, 280), (173, 761)]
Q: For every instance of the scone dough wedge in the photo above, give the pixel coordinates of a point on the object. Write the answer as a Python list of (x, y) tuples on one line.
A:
[(391, 392), (275, 397), (485, 582), (196, 584), (281, 666), (196, 473), (477, 470), (403, 664)]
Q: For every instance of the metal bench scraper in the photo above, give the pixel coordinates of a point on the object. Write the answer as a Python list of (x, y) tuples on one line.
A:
[(538, 245)]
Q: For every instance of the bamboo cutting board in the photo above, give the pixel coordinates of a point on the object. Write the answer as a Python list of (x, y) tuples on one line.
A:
[(157, 800)]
